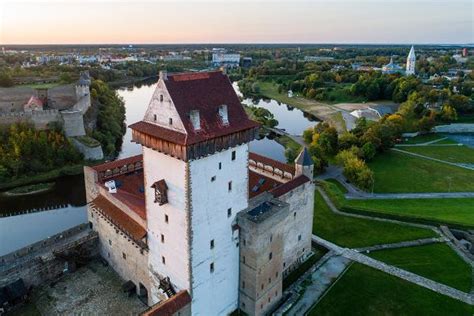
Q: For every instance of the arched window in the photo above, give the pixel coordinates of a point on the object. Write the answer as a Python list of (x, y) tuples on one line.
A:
[(161, 98)]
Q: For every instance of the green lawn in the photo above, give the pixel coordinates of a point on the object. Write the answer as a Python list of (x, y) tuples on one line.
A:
[(48, 85), (365, 291), (437, 262), (457, 154), (338, 184), (396, 172), (420, 139), (450, 211), (356, 232)]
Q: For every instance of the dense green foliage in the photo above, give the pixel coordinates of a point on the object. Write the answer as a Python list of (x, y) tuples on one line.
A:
[(356, 232), (111, 117), (25, 151), (378, 293), (437, 262)]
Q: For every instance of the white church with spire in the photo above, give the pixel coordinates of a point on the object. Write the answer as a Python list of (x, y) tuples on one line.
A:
[(411, 61)]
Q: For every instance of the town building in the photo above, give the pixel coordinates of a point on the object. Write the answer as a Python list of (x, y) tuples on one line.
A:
[(220, 58), (197, 218), (411, 62)]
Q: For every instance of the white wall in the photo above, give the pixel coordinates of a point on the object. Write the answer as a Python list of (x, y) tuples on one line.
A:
[(216, 293), (175, 249), (163, 110)]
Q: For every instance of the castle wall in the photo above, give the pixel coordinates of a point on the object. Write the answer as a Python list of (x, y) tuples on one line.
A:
[(83, 104), (73, 123), (298, 225), (128, 259), (40, 119), (216, 292), (91, 153)]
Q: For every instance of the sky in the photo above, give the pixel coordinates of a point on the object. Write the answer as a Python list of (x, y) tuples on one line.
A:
[(236, 21)]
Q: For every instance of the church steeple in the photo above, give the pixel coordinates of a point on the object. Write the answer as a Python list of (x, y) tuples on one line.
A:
[(411, 60)]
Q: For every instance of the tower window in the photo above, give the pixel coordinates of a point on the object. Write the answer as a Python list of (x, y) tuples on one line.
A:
[(170, 121), (162, 238), (270, 256), (213, 178), (161, 98), (233, 155), (166, 219), (243, 284), (163, 260), (212, 244), (154, 117), (229, 186), (124, 256), (299, 237), (211, 267), (243, 259), (229, 212), (220, 165), (110, 242), (161, 192)]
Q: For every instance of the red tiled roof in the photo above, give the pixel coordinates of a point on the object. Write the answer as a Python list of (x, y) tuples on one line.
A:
[(290, 185), (34, 100), (268, 185), (271, 162), (170, 306), (128, 192), (204, 92), (117, 163), (119, 218)]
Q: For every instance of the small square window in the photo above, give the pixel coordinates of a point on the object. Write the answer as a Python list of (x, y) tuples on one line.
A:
[(294, 214), (161, 98), (110, 242), (271, 237), (229, 186), (220, 165), (212, 244), (211, 267), (261, 287), (299, 237), (163, 260), (233, 155), (154, 117), (170, 121), (269, 280), (269, 299), (270, 256), (229, 214), (124, 256), (243, 284), (162, 238), (166, 219), (213, 178), (243, 259)]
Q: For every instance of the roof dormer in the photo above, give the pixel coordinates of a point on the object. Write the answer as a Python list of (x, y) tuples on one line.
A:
[(223, 114), (195, 119)]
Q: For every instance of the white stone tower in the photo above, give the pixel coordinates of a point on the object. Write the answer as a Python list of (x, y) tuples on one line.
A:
[(195, 137), (411, 60)]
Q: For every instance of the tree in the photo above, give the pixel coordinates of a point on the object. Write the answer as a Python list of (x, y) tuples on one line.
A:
[(448, 113), (368, 151), (6, 80)]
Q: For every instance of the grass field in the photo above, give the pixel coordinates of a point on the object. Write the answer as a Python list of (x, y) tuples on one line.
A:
[(454, 211), (420, 139), (437, 262), (366, 291), (338, 184), (355, 232), (457, 154), (396, 172), (41, 85)]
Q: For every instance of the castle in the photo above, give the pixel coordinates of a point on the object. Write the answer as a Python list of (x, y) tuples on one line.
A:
[(197, 224), (41, 107)]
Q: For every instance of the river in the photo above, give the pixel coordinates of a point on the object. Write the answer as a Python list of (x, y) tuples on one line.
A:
[(30, 218)]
